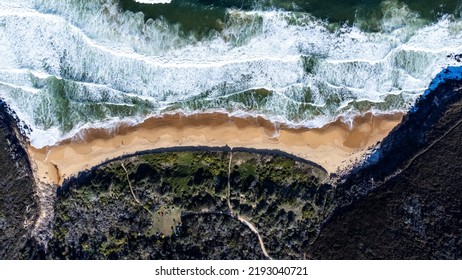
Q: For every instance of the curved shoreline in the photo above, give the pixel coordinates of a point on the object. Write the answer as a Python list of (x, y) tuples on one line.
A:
[(176, 149), (334, 146)]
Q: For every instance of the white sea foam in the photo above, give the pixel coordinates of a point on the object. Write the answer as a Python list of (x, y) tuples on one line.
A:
[(71, 64)]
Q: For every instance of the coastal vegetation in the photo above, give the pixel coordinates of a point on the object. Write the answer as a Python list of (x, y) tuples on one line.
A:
[(401, 202), (164, 199)]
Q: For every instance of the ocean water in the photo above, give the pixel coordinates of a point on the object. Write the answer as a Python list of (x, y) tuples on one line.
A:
[(72, 64)]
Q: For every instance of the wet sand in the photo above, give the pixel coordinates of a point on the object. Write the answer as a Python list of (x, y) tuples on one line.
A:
[(335, 146)]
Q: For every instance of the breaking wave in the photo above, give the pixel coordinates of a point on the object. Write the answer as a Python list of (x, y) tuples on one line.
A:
[(71, 64)]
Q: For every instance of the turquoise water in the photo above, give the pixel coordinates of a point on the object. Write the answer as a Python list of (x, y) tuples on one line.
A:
[(71, 64)]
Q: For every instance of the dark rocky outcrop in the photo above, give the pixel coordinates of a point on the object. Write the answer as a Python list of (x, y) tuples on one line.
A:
[(18, 208), (405, 202)]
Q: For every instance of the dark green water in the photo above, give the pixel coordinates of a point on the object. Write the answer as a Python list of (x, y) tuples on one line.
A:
[(200, 16), (70, 64)]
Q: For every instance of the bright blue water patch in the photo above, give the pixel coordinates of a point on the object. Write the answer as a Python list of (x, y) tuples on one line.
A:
[(449, 73)]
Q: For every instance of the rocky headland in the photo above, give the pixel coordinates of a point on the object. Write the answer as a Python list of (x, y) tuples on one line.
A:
[(402, 201)]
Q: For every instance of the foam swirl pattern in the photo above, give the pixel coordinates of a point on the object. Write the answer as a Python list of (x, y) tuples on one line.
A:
[(67, 65)]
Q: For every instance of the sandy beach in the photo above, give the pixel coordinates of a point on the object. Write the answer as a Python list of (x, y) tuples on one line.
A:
[(335, 146)]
